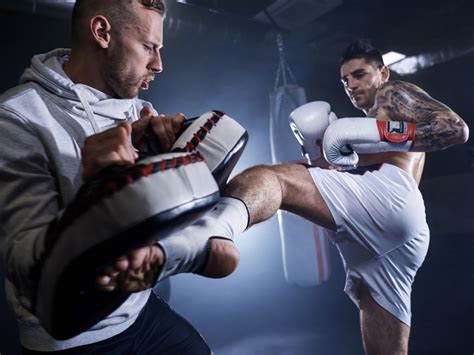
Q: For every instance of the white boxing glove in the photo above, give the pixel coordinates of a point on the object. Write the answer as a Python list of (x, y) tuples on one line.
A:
[(346, 137), (308, 123)]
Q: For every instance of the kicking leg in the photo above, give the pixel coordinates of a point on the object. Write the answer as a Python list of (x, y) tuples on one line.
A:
[(265, 189), (382, 332)]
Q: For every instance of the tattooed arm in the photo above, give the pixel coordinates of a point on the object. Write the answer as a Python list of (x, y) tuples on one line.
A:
[(437, 126)]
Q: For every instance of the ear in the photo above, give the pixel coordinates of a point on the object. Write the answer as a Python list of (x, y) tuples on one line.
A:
[(385, 71), (100, 30)]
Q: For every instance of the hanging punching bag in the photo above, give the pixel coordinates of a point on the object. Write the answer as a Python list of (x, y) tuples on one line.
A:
[(304, 245)]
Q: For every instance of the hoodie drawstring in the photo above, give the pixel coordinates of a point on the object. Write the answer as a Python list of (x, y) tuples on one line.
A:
[(87, 108)]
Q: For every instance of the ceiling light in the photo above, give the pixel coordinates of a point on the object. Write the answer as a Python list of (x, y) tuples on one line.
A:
[(392, 57)]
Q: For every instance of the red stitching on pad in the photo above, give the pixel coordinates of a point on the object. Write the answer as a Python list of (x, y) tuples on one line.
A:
[(203, 131)]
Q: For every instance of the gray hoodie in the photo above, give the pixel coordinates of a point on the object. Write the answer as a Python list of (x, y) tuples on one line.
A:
[(43, 124)]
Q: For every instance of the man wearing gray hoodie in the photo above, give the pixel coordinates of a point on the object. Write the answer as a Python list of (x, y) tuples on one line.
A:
[(74, 113)]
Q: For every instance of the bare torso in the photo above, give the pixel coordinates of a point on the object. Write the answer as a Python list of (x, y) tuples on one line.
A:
[(412, 163)]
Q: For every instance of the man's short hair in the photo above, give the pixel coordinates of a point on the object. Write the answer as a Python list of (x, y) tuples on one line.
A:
[(362, 48), (118, 12)]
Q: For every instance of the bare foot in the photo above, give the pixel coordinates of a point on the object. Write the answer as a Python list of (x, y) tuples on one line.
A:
[(133, 272)]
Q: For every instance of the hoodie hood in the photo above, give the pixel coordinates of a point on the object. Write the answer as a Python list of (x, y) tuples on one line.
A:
[(47, 71)]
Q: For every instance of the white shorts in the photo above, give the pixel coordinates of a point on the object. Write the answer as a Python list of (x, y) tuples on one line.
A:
[(382, 234)]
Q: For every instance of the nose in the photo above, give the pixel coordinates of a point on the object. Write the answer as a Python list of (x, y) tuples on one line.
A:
[(352, 84), (156, 65)]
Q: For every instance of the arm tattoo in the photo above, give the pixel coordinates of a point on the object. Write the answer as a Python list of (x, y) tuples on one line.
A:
[(437, 126)]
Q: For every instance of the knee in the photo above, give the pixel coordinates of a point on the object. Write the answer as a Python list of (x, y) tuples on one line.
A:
[(223, 258)]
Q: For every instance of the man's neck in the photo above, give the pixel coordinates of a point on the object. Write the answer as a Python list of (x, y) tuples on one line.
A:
[(84, 72)]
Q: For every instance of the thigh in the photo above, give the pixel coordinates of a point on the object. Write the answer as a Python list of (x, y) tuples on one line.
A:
[(382, 332), (301, 196)]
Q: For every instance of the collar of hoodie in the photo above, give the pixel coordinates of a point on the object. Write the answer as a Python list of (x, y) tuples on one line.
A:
[(47, 70)]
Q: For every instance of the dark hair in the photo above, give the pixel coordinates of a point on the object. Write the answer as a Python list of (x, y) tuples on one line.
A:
[(362, 48), (118, 12)]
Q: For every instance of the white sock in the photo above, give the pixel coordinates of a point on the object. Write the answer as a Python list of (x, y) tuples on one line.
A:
[(187, 250)]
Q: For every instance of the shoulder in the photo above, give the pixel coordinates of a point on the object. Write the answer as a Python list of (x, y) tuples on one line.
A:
[(401, 88), (18, 96), (22, 109), (398, 100), (25, 100), (399, 94)]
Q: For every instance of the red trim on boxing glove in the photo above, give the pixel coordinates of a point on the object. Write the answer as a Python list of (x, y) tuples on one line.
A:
[(396, 131)]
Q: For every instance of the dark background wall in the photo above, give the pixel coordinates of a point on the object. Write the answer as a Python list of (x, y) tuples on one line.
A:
[(225, 61)]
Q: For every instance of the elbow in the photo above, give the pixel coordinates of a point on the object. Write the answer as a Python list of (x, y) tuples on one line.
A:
[(460, 130), (464, 134)]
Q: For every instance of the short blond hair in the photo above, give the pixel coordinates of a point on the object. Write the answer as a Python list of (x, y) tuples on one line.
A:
[(118, 12)]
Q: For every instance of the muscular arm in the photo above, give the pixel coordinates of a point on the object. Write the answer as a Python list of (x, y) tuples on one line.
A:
[(437, 126)]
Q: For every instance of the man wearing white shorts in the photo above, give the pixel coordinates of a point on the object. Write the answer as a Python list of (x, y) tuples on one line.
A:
[(364, 210), (377, 219)]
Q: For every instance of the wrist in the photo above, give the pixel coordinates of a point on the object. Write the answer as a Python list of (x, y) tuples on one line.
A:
[(396, 131)]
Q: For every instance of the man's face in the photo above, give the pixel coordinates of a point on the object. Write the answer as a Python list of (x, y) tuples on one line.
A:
[(361, 81), (134, 55)]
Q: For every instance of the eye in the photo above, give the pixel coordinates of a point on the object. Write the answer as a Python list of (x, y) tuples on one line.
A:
[(344, 81), (148, 48)]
